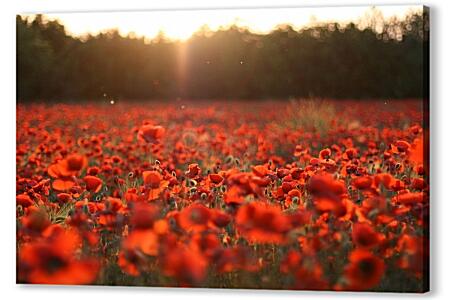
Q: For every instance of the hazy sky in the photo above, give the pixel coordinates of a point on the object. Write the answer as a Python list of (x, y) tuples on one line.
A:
[(182, 24)]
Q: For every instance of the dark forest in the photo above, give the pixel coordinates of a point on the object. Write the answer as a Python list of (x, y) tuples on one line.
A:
[(327, 60)]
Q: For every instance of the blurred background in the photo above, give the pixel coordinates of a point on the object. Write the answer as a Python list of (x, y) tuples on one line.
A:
[(340, 52)]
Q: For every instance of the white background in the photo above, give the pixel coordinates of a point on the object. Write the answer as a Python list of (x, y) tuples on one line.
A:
[(440, 117)]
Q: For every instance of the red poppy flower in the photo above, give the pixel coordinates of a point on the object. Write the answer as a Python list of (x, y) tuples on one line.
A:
[(185, 264), (131, 195), (262, 223), (314, 161), (412, 253), (300, 218), (287, 186), (418, 183), (144, 240), (384, 178), (283, 172), (161, 227), (205, 243), (216, 178), (417, 151), (364, 271), (151, 133), (234, 195), (193, 171), (24, 200), (53, 261), (93, 183), (325, 153), (260, 170), (143, 215), (402, 146), (62, 185), (364, 236), (70, 166), (327, 204), (324, 185), (220, 218), (155, 183), (93, 171), (363, 182), (410, 198), (194, 217), (299, 151), (64, 198), (350, 153), (152, 178)]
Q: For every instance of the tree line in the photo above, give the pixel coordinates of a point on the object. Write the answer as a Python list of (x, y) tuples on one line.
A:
[(325, 60)]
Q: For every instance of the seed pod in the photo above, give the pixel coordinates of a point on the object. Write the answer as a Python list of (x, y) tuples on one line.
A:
[(229, 159), (60, 219), (172, 223)]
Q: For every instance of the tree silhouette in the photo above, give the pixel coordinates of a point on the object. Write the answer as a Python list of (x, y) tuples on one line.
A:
[(372, 59)]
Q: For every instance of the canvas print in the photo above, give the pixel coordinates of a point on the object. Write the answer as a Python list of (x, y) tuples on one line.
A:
[(281, 148)]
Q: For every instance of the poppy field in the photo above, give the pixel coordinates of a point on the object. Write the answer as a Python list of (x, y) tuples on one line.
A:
[(306, 194)]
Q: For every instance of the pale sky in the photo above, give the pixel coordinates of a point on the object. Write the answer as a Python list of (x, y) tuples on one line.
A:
[(182, 24)]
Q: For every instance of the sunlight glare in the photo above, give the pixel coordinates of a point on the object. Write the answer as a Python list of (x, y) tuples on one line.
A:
[(181, 24)]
